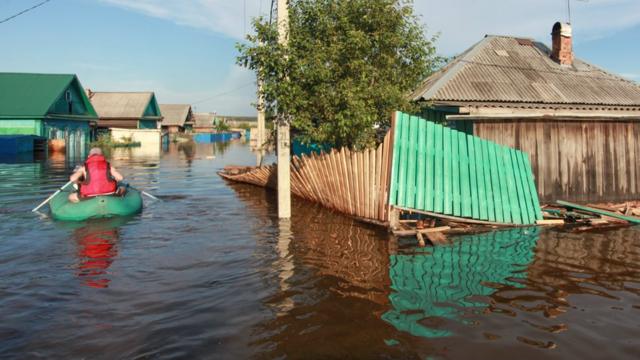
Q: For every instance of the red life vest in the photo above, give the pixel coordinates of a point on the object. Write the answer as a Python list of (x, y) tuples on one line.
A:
[(98, 179)]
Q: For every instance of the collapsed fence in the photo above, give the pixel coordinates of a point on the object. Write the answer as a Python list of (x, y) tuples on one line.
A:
[(420, 166)]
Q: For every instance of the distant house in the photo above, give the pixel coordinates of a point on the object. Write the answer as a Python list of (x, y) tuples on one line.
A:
[(579, 123), (134, 115), (235, 121), (126, 110), (47, 106), (204, 122), (177, 117)]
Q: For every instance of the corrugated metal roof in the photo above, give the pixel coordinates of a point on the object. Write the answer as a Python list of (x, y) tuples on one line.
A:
[(203, 120), (121, 104), (508, 70), (25, 94), (175, 114)]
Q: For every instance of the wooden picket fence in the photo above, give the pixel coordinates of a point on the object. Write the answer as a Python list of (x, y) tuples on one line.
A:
[(352, 182)]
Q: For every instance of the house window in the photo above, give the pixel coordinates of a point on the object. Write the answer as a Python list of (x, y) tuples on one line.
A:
[(67, 96)]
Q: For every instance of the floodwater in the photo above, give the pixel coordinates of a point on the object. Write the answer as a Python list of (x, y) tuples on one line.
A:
[(211, 272)]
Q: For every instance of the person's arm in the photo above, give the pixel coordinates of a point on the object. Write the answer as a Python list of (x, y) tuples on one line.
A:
[(116, 175), (77, 175)]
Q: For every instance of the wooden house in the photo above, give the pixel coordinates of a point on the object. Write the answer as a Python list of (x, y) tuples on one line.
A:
[(126, 110), (178, 118), (46, 106), (204, 122), (130, 115), (579, 123)]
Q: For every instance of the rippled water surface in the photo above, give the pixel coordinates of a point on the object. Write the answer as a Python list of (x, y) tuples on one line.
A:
[(210, 272)]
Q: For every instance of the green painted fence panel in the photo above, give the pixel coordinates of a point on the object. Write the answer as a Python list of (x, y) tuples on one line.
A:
[(504, 189), (438, 202), (511, 186), (473, 178), (495, 182), (412, 162), (421, 164), (533, 192), (430, 168), (519, 185), (455, 173), (465, 186), (441, 170), (482, 195), (447, 189), (402, 176)]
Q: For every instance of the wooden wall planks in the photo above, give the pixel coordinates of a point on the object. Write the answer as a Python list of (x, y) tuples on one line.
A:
[(580, 161)]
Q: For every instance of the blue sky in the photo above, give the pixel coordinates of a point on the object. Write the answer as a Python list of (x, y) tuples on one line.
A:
[(184, 50)]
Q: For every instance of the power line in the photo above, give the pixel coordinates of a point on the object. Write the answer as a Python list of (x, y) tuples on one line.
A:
[(223, 93), (24, 11)]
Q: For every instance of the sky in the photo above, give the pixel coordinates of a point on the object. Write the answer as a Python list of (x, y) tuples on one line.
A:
[(184, 50)]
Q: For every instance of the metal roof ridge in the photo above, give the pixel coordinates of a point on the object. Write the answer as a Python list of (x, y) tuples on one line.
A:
[(456, 66)]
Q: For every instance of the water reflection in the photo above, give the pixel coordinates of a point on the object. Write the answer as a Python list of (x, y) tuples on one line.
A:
[(97, 244), (439, 283)]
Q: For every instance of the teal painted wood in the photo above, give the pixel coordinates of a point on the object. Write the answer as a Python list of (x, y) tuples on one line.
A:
[(491, 212), (504, 193), (438, 202), (519, 185), (465, 183), (402, 176), (412, 164), (511, 185), (441, 170), (495, 182), (430, 168), (447, 194), (421, 164), (455, 173), (531, 216), (473, 178), (537, 211), (482, 195), (395, 162)]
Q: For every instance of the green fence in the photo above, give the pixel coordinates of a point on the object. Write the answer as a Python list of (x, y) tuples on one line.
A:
[(440, 170)]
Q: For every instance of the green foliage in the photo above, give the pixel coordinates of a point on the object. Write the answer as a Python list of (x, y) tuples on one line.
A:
[(106, 142), (221, 126), (347, 66), (244, 126)]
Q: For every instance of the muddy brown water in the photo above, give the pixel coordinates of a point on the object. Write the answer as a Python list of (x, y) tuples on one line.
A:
[(212, 273)]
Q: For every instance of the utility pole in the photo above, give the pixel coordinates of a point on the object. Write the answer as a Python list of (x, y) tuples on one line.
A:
[(261, 125), (284, 141)]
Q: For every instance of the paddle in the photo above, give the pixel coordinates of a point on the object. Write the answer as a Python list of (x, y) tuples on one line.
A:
[(51, 197), (149, 195)]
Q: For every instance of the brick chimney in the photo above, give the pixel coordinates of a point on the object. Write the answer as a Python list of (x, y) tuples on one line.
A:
[(562, 49)]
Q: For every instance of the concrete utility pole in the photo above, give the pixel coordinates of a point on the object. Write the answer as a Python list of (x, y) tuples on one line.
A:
[(284, 145)]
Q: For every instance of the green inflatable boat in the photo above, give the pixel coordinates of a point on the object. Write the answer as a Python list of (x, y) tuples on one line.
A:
[(95, 207)]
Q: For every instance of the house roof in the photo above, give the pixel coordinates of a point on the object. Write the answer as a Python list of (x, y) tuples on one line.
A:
[(122, 105), (502, 69), (203, 120), (33, 95), (175, 114)]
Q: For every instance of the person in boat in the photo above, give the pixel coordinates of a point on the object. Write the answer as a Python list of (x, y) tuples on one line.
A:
[(96, 177)]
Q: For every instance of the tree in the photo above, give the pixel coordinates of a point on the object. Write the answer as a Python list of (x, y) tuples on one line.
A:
[(347, 66)]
